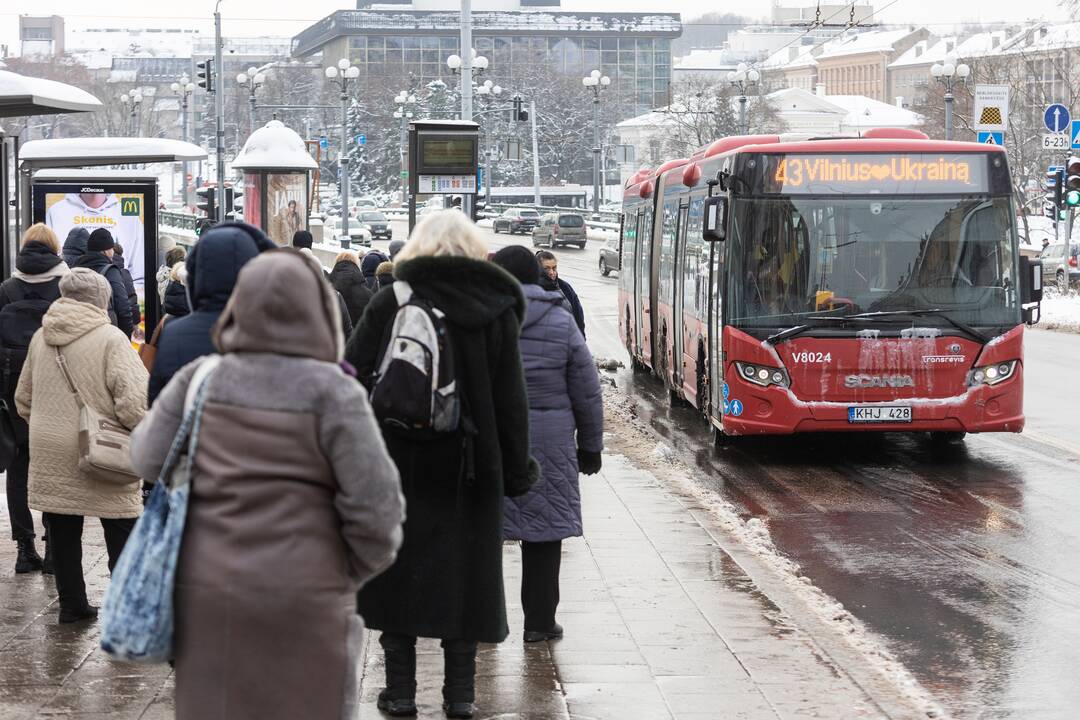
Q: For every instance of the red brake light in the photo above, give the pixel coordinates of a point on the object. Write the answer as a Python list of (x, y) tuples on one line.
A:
[(1072, 261), (555, 230)]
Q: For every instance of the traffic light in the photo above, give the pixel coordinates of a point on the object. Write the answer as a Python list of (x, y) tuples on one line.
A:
[(1052, 198), (203, 224), (205, 72), (205, 197), (237, 202), (520, 114)]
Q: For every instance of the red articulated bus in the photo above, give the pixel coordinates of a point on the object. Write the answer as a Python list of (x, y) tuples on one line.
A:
[(784, 285)]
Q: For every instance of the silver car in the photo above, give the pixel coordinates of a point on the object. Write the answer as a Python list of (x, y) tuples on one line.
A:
[(609, 257), (557, 229)]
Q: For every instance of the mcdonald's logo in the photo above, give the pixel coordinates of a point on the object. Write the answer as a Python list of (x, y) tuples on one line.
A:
[(130, 206)]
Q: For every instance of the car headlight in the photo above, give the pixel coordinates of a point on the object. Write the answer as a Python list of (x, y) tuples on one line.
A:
[(762, 375), (992, 374)]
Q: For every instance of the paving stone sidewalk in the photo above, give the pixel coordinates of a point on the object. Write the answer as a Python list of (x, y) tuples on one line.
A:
[(660, 623)]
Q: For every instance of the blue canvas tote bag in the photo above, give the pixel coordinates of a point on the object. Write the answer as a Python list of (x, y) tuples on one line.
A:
[(137, 615)]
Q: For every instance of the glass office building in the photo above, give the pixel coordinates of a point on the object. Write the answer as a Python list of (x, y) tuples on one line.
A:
[(633, 49)]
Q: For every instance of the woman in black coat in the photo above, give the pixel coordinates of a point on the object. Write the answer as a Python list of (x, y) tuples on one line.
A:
[(447, 582), (348, 280)]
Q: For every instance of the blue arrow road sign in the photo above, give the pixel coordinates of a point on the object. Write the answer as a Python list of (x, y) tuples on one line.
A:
[(993, 138), (324, 142), (1056, 118), (361, 139)]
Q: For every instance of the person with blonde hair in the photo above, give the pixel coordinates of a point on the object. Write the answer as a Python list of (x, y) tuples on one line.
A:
[(447, 582), (24, 299)]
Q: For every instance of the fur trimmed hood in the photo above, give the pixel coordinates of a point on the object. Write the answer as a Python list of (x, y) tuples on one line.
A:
[(471, 292)]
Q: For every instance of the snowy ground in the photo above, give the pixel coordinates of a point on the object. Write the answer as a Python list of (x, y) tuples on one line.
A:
[(1061, 312)]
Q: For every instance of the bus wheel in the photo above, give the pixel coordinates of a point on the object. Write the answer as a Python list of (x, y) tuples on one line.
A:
[(721, 439)]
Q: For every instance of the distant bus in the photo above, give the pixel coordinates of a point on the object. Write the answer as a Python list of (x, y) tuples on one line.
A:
[(831, 285), (568, 196)]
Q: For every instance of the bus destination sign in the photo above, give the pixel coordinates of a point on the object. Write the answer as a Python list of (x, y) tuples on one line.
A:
[(912, 173)]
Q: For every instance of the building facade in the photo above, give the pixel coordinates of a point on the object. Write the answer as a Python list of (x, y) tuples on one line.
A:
[(634, 50), (41, 35), (858, 64)]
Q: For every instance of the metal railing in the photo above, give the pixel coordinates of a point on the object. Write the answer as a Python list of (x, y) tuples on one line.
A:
[(179, 220)]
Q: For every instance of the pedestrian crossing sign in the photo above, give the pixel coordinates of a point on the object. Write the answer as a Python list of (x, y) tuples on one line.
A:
[(1075, 134), (991, 138)]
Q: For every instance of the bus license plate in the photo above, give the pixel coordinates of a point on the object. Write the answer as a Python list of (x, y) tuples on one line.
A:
[(879, 414)]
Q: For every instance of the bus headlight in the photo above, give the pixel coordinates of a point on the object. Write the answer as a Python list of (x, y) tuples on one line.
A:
[(762, 374), (992, 374)]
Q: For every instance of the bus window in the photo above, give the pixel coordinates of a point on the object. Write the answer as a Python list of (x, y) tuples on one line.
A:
[(695, 263), (667, 249)]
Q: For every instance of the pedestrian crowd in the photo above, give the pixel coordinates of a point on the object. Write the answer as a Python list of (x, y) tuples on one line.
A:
[(360, 441)]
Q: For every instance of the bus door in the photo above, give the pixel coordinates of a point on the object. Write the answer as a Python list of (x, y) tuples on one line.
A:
[(715, 329), (643, 288), (678, 278)]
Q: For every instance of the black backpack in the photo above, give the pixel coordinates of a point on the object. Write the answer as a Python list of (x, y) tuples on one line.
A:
[(19, 320), (415, 388)]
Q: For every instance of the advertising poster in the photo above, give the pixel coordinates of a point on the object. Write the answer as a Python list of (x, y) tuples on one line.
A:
[(253, 199), (122, 214), (286, 201)]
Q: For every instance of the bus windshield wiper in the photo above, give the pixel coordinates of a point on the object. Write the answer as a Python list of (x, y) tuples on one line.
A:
[(800, 329), (934, 312)]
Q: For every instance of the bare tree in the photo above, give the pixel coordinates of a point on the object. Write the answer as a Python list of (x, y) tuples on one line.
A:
[(704, 110)]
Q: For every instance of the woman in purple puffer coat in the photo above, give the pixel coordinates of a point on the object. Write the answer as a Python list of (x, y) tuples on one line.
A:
[(566, 428)]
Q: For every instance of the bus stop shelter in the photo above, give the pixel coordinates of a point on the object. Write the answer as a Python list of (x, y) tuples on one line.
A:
[(22, 96)]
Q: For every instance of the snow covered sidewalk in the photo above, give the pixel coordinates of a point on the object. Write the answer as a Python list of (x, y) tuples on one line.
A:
[(660, 622), (1060, 312)]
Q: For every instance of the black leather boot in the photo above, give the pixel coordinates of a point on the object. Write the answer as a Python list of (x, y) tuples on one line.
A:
[(47, 563), (77, 614), (459, 658), (28, 559), (399, 697)]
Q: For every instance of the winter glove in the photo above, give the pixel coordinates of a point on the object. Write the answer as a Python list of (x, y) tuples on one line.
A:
[(588, 462)]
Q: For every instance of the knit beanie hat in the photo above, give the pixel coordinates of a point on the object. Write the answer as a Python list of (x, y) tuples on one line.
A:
[(100, 240), (302, 239), (87, 286), (395, 247), (519, 262)]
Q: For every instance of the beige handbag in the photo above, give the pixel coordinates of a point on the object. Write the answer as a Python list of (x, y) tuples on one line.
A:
[(104, 444)]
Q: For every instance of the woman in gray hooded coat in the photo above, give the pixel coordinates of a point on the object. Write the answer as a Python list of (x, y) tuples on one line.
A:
[(295, 504), (566, 432)]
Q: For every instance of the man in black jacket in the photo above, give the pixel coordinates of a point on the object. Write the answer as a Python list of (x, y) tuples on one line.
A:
[(129, 283), (98, 257), (550, 280)]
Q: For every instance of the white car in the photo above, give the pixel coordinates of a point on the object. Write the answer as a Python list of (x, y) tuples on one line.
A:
[(358, 235)]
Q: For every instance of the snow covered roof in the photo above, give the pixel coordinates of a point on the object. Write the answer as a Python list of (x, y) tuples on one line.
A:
[(713, 59), (274, 147), (653, 118), (88, 151), (1046, 37), (792, 57), (21, 95), (356, 22), (928, 52), (863, 42), (864, 112)]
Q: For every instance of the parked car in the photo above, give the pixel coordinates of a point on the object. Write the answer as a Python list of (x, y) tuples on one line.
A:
[(609, 257), (358, 235), (516, 220), (557, 229), (1060, 267), (376, 224)]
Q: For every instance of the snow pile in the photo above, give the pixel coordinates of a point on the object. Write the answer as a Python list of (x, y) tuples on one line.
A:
[(1061, 312), (753, 535), (609, 364)]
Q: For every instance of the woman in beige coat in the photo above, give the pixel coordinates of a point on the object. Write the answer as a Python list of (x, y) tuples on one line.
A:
[(112, 380), (294, 504)]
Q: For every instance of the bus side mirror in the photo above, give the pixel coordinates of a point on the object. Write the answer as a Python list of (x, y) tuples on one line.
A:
[(1031, 289), (714, 223)]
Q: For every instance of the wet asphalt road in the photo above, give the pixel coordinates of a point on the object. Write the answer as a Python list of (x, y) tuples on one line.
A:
[(964, 560)]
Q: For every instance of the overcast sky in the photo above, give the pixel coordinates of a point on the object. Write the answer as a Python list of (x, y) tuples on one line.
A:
[(249, 17)]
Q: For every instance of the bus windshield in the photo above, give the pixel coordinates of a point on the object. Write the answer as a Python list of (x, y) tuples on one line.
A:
[(798, 256)]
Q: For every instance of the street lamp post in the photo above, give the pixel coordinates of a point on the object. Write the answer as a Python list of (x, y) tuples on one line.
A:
[(597, 83), (133, 99), (406, 103), (489, 91), (185, 87), (742, 78), (252, 80), (947, 73), (466, 65), (339, 77)]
